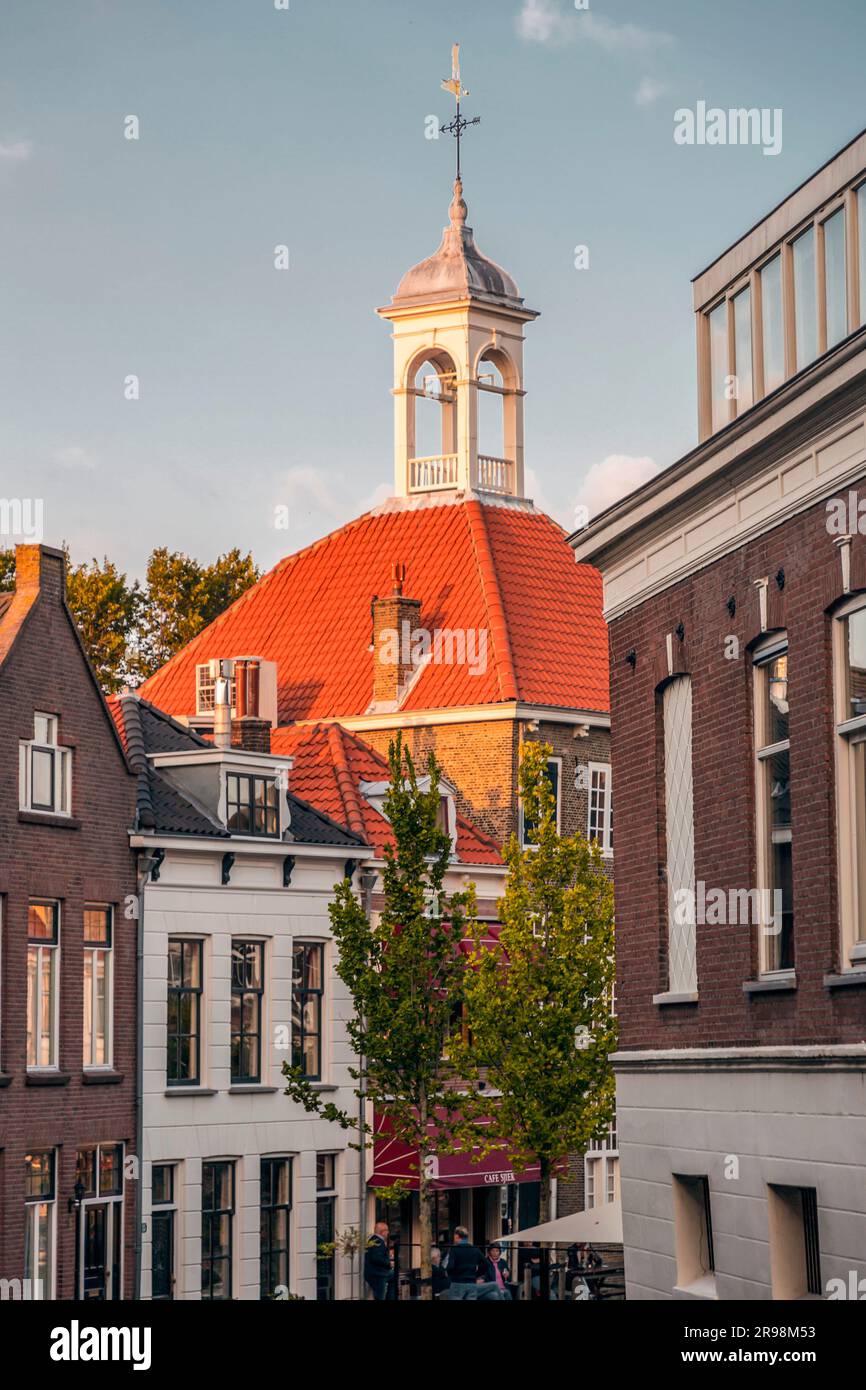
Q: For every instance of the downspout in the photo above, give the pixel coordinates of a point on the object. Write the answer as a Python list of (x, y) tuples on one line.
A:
[(143, 875), (367, 881)]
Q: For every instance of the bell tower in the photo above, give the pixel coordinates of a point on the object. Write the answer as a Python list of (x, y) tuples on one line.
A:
[(458, 357)]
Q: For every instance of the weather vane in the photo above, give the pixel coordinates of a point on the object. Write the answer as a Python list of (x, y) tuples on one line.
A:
[(460, 123)]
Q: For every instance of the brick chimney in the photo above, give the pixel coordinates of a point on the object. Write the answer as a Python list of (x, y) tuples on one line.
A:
[(249, 729), (395, 621), (40, 568)]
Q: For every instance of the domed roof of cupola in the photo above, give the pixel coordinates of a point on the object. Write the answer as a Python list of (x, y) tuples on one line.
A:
[(458, 269)]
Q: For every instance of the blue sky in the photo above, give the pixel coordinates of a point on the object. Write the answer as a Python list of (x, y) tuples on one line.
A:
[(305, 127)]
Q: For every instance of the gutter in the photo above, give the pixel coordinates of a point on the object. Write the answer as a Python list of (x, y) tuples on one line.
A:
[(143, 875)]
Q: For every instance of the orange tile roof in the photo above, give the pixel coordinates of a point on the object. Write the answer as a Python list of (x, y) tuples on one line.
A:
[(329, 765), (473, 565)]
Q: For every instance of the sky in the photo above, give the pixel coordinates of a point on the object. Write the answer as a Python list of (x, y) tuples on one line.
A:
[(264, 394)]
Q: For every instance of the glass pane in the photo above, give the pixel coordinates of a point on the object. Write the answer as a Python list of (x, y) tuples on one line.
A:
[(772, 324), (174, 964), (39, 1174), (42, 777), (779, 798), (314, 967), (718, 321), (835, 281), (324, 1171), (110, 1170), (85, 1171), (46, 1049), (743, 349), (42, 921), (775, 677), (861, 224), (88, 1007), (805, 298), (162, 1180), (97, 925), (780, 954), (100, 1011), (43, 728), (192, 964), (856, 645), (32, 1017)]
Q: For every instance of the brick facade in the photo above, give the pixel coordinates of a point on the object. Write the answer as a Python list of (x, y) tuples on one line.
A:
[(84, 860)]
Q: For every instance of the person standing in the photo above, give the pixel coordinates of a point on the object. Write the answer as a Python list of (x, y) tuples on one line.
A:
[(377, 1262), (467, 1270)]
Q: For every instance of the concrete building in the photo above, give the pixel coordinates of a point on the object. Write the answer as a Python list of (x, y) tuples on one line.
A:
[(735, 592)]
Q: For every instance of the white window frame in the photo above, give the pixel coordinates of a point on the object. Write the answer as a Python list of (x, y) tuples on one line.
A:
[(94, 949), (523, 841), (205, 684), (323, 1078), (40, 947), (115, 1203), (601, 1169), (774, 646), (851, 856), (31, 1217), (605, 841), (174, 1207), (61, 791), (681, 933)]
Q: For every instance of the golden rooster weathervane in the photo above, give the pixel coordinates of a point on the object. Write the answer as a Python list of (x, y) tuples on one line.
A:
[(453, 85)]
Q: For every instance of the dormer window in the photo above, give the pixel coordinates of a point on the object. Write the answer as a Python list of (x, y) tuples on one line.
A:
[(205, 689), (252, 807), (45, 769)]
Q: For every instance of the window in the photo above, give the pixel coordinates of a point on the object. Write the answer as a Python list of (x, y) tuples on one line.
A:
[(44, 769), (772, 323), (43, 947), (680, 834), (326, 1225), (307, 993), (99, 1169), (601, 1169), (795, 1251), (206, 690), (773, 808), (162, 1223), (600, 820), (251, 805), (98, 926), (861, 250), (40, 1197), (693, 1233), (246, 1030), (217, 1222), (719, 369), (742, 310), (805, 298), (849, 642), (183, 1043), (835, 278), (554, 773), (276, 1216)]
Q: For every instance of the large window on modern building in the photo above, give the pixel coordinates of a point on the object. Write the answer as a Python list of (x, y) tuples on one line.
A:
[(773, 807), (849, 643), (307, 997), (40, 1197), (554, 776), (162, 1223), (248, 976), (183, 1041), (217, 1229), (98, 927), (43, 953), (693, 1233), (741, 306), (795, 1250), (719, 371), (99, 1170), (600, 809), (276, 1220), (45, 769), (772, 324), (680, 835), (251, 805), (805, 298), (835, 278)]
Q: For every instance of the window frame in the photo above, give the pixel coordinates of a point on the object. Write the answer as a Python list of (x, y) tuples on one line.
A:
[(61, 770), (94, 949), (210, 1214), (198, 992), (240, 992), (113, 1198), (524, 843), (208, 685), (605, 841), (849, 735), (769, 650), (31, 1223), (40, 945), (251, 807), (302, 993), (166, 1207), (268, 1213)]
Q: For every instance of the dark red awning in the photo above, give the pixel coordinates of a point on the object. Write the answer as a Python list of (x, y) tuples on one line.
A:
[(393, 1160)]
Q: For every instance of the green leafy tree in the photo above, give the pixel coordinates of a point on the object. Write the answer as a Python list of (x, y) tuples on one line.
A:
[(538, 1001), (406, 974), (182, 597), (106, 609)]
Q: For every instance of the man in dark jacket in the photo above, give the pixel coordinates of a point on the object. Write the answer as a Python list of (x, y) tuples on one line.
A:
[(467, 1270), (377, 1262)]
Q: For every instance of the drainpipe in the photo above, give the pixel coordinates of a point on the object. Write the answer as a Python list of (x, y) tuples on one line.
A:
[(367, 881), (144, 867)]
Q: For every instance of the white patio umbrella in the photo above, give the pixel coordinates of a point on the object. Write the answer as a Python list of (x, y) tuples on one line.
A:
[(602, 1224)]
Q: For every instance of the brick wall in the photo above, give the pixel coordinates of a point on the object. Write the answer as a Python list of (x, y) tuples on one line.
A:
[(87, 862), (723, 772)]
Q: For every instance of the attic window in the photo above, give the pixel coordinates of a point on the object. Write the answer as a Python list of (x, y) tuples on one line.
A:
[(44, 769), (205, 690)]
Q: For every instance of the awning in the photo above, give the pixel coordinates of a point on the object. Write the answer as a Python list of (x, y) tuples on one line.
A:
[(395, 1161), (602, 1224)]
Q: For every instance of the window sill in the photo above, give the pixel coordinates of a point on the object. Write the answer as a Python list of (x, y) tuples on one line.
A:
[(49, 818), (252, 1088), (670, 997), (702, 1289), (771, 984), (846, 978), (323, 1086), (177, 1091), (47, 1078), (5, 1079), (101, 1078)]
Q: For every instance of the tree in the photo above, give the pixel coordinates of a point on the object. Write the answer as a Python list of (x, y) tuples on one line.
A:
[(538, 1002), (7, 570), (405, 973), (106, 609), (183, 597)]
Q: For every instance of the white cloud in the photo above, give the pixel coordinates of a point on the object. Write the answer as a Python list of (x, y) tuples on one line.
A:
[(74, 457), (305, 489), (547, 22), (613, 478), (15, 151), (649, 91)]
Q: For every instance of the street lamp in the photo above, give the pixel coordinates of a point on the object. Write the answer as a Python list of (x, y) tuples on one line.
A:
[(75, 1201)]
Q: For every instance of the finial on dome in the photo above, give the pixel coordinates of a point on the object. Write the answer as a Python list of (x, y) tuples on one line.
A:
[(458, 209)]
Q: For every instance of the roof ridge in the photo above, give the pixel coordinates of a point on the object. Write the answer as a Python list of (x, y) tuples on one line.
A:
[(504, 665), (136, 754), (345, 783)]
